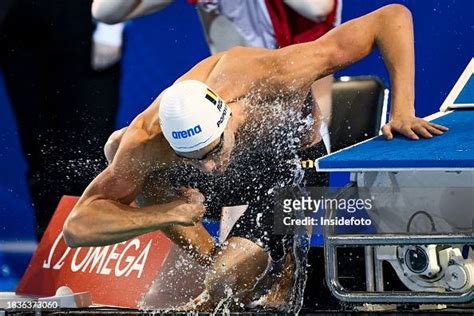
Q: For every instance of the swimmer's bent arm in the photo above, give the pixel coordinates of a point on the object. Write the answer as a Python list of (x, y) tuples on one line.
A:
[(103, 216), (389, 28), (112, 144)]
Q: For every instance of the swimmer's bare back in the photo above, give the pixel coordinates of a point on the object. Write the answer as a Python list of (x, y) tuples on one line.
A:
[(103, 215)]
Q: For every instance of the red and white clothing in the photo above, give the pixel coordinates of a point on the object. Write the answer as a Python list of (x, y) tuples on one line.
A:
[(271, 23), (290, 27)]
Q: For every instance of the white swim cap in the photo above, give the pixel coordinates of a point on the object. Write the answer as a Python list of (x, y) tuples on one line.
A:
[(192, 116)]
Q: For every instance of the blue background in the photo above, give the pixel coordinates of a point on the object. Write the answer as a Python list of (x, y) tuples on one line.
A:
[(161, 47)]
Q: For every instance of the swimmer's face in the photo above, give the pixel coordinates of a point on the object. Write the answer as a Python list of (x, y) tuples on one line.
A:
[(214, 157)]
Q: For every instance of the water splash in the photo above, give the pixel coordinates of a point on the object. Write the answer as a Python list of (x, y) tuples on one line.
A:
[(267, 141)]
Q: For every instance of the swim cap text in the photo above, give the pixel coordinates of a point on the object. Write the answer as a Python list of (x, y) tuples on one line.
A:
[(187, 133)]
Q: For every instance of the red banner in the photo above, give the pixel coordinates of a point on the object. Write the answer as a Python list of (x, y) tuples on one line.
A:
[(118, 275)]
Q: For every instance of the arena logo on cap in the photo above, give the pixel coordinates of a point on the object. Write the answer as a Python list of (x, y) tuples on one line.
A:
[(187, 133)]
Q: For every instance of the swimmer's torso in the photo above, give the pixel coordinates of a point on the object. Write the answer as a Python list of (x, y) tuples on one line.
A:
[(262, 159), (233, 76), (274, 121)]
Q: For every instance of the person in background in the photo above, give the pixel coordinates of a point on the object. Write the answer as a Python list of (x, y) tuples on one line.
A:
[(107, 46), (64, 98), (250, 23)]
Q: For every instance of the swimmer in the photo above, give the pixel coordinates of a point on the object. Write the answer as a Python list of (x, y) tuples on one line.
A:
[(222, 135)]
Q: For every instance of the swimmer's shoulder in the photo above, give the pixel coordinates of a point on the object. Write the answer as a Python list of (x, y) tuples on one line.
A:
[(202, 70), (145, 143)]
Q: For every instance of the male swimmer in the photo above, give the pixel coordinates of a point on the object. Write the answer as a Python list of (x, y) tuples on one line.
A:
[(223, 135)]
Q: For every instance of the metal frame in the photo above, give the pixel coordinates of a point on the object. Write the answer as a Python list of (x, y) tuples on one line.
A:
[(373, 269)]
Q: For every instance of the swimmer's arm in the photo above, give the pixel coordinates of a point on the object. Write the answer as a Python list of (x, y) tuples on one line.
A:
[(112, 12), (112, 144), (103, 216), (194, 240), (391, 30)]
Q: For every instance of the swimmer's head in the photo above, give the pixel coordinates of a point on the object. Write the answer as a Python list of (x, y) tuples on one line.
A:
[(193, 119)]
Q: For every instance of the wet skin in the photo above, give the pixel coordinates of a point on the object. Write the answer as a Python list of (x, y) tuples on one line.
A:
[(103, 215)]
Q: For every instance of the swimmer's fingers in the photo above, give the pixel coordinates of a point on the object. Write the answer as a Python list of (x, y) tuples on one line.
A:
[(184, 214), (438, 127), (436, 130), (194, 213), (408, 132), (397, 127), (192, 195), (412, 128), (387, 132), (427, 129), (184, 190), (422, 131)]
